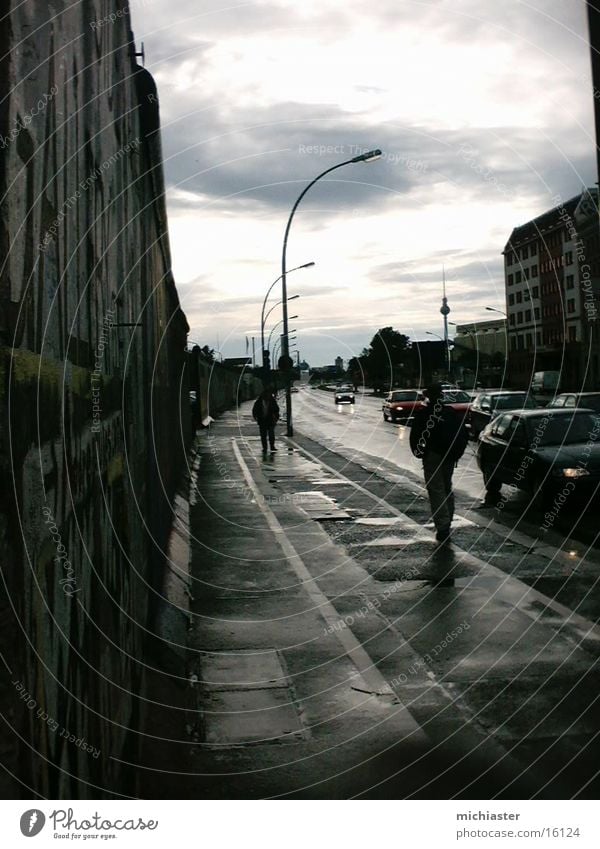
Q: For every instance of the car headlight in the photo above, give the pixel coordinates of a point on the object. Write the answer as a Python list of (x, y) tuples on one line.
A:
[(571, 473)]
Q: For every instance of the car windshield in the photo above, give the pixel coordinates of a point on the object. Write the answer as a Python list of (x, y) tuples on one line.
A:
[(456, 396), (405, 396), (513, 402), (566, 430)]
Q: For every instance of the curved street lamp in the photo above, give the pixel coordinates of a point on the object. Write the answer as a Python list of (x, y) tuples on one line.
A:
[(262, 313), (274, 327), (493, 309), (369, 156), (293, 298)]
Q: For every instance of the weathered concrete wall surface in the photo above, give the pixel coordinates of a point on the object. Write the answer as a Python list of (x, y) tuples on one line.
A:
[(92, 344), (218, 388)]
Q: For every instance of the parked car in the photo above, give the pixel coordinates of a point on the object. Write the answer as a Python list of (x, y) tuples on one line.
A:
[(400, 405), (458, 399), (542, 452), (487, 405), (344, 395), (588, 400)]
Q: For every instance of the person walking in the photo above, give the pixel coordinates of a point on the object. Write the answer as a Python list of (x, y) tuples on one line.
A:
[(265, 413), (439, 437)]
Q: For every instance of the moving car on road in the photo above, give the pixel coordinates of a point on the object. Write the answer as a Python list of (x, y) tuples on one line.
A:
[(587, 400), (543, 452), (344, 395), (488, 405), (401, 404)]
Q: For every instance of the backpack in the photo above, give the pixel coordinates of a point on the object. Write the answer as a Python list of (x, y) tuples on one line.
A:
[(442, 432)]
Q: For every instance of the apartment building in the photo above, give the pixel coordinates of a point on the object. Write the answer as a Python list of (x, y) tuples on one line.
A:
[(552, 280)]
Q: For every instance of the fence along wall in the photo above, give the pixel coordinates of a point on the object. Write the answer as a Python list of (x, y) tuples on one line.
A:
[(92, 348)]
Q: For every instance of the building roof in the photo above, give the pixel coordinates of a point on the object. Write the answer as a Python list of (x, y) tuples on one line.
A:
[(544, 223)]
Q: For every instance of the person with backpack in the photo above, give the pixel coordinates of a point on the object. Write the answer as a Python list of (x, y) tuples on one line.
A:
[(265, 413), (439, 437)]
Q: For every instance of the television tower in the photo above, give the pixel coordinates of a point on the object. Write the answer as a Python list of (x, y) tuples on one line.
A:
[(445, 310)]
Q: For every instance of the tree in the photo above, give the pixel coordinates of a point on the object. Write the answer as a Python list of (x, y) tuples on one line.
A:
[(356, 371), (385, 357), (207, 353)]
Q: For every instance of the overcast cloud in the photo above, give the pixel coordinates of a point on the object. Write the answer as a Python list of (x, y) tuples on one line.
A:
[(484, 111)]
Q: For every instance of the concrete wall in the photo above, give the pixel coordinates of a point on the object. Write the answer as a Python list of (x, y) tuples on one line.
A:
[(92, 381), (218, 388)]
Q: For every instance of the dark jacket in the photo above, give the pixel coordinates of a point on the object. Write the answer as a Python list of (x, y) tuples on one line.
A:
[(438, 429), (272, 415)]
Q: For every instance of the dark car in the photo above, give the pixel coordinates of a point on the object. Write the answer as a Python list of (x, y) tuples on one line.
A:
[(587, 400), (401, 404), (487, 405), (344, 395), (542, 452)]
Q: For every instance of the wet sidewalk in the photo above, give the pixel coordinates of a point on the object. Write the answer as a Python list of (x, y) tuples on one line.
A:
[(312, 673)]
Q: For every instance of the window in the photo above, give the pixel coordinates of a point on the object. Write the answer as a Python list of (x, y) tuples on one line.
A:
[(513, 343), (510, 258), (535, 292), (570, 401), (538, 338), (571, 305), (519, 318), (511, 300), (533, 250), (517, 277), (524, 253), (569, 258), (528, 340), (510, 279), (536, 313), (527, 316), (534, 271), (520, 344), (519, 297), (569, 282), (511, 318), (572, 334), (526, 273)]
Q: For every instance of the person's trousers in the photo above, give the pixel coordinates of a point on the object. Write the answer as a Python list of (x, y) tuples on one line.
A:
[(267, 430), (438, 473)]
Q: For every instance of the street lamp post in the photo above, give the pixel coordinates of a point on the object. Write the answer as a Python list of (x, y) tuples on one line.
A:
[(262, 314), (275, 326), (285, 350), (493, 309)]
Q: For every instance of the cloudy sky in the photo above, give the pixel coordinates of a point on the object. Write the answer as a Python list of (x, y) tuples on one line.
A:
[(484, 111)]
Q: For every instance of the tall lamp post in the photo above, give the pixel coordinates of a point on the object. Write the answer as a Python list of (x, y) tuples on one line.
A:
[(285, 348), (262, 314)]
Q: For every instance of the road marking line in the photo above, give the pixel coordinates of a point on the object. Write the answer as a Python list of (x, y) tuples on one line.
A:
[(372, 677)]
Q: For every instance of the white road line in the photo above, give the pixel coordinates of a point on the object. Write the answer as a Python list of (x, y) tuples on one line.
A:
[(373, 679)]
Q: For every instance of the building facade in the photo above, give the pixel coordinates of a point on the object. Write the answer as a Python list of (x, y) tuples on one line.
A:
[(479, 353), (552, 282)]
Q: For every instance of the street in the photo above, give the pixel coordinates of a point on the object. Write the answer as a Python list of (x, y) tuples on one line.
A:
[(335, 652), (570, 562)]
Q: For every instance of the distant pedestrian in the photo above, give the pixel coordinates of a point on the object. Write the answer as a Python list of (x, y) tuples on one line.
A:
[(266, 414), (438, 437)]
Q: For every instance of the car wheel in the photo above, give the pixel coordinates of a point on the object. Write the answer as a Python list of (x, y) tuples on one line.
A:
[(385, 418)]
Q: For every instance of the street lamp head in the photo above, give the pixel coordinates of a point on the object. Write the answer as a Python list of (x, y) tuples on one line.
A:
[(293, 298), (369, 156), (306, 265)]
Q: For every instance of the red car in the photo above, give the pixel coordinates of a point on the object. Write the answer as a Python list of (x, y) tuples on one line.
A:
[(458, 400), (400, 405)]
